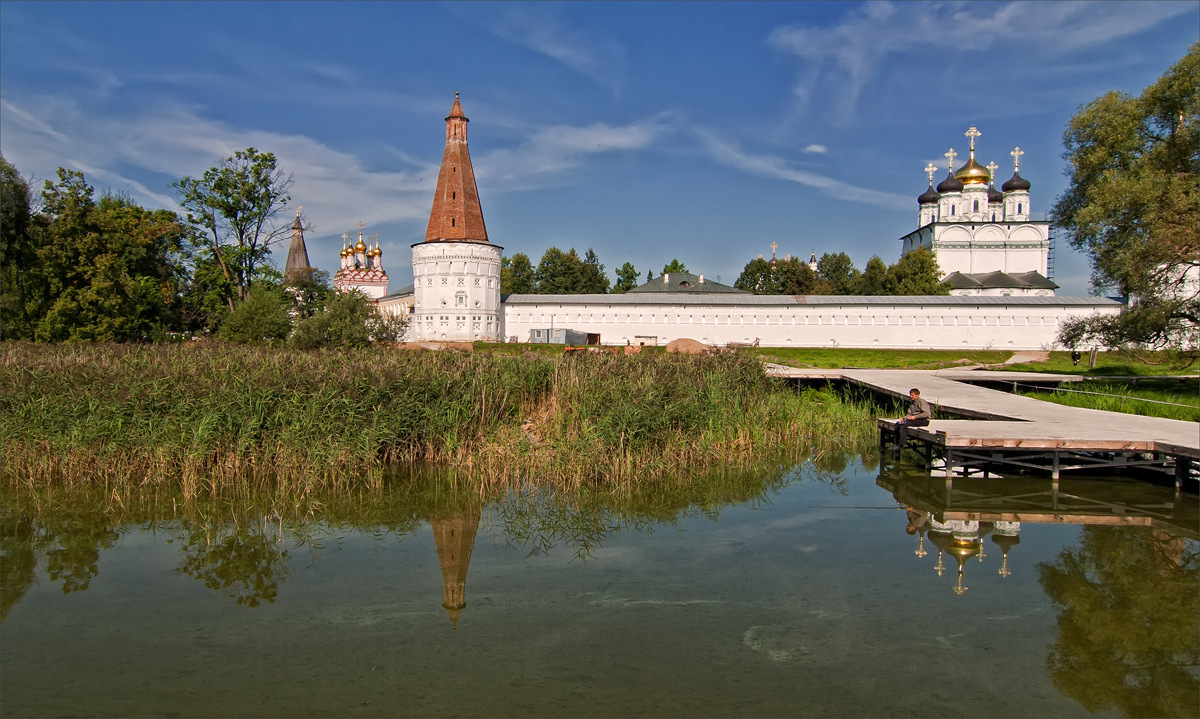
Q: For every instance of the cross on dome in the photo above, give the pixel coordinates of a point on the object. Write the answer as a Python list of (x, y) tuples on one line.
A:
[(1016, 156), (929, 170), (992, 167), (774, 246), (950, 157), (972, 134)]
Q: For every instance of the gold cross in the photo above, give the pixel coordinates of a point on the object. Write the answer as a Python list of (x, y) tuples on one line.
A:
[(972, 133), (950, 156), (774, 246), (929, 170), (360, 226), (992, 167), (1016, 156), (298, 208), (345, 237)]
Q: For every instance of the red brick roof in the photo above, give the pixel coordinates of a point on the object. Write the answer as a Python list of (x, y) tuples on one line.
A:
[(456, 214)]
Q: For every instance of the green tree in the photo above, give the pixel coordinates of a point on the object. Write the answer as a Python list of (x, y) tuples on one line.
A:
[(237, 204), (758, 277), (263, 316), (1133, 205), (24, 292), (795, 277), (309, 292), (517, 276), (788, 276), (915, 273), (674, 266), (563, 273), (594, 279), (836, 274), (114, 269), (873, 279), (348, 319), (627, 279)]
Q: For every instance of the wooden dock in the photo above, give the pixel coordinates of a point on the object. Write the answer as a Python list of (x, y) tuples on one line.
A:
[(1022, 433)]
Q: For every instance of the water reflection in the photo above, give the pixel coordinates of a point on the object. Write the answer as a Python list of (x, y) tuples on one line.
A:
[(1128, 609)]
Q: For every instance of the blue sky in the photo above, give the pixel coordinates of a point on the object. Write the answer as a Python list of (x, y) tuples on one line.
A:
[(647, 131)]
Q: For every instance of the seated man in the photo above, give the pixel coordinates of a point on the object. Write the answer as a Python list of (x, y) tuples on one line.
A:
[(918, 415)]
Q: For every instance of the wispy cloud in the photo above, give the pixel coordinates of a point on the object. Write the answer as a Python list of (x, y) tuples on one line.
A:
[(729, 154), (840, 62), (549, 151), (539, 27), (816, 149)]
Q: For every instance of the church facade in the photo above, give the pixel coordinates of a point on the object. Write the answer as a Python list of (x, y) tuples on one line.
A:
[(979, 235), (983, 238)]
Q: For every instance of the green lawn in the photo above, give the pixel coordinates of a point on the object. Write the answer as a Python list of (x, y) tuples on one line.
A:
[(1151, 397), (1108, 364), (835, 358)]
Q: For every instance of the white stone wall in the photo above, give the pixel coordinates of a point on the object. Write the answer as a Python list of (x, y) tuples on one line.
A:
[(985, 247), (456, 291), (1025, 323)]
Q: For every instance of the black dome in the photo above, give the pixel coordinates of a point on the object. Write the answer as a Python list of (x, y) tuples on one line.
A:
[(950, 184), (1016, 182), (994, 195), (928, 197)]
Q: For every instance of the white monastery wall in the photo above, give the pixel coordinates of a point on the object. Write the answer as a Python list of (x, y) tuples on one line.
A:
[(1028, 323)]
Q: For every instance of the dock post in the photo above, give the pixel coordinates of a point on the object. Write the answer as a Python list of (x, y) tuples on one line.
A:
[(1054, 471)]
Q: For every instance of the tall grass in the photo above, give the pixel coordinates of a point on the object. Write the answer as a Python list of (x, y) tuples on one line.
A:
[(214, 418)]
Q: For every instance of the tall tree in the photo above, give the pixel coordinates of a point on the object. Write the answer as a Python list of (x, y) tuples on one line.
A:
[(517, 276), (758, 277), (836, 274), (1133, 204), (238, 204), (564, 273), (594, 279), (627, 279), (674, 266), (24, 293), (114, 269), (873, 278), (915, 273)]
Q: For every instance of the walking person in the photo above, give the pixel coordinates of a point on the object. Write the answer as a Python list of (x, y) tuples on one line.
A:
[(918, 415)]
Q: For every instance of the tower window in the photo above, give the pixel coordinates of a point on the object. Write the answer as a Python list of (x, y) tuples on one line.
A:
[(452, 222), (453, 195), (1018, 208), (953, 210), (976, 206)]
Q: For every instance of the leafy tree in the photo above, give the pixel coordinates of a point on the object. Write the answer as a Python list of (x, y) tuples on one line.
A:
[(309, 292), (836, 274), (649, 275), (788, 276), (674, 266), (517, 276), (594, 279), (561, 272), (237, 204), (24, 292), (873, 277), (1128, 621), (114, 269), (349, 319), (627, 279), (916, 273), (261, 316), (1133, 204)]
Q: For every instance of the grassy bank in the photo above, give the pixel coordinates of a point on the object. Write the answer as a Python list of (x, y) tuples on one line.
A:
[(1151, 397), (213, 418), (838, 357), (1109, 364)]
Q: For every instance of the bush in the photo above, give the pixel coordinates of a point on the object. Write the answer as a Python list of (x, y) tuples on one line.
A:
[(261, 316), (349, 319)]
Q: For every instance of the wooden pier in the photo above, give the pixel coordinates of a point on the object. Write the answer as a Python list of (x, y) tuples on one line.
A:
[(1011, 433)]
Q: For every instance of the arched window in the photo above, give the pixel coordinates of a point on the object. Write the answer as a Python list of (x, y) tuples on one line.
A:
[(976, 206), (953, 210), (1018, 208)]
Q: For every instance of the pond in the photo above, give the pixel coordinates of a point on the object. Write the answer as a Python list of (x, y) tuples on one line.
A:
[(802, 591)]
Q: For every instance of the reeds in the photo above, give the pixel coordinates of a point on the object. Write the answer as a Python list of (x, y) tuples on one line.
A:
[(213, 418)]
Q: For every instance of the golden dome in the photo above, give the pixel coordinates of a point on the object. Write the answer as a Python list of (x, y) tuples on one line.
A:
[(359, 246), (973, 173), (346, 252)]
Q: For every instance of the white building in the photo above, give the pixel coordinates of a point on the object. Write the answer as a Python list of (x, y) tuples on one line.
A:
[(983, 239)]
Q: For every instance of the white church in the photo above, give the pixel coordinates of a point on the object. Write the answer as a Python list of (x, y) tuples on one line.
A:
[(995, 258)]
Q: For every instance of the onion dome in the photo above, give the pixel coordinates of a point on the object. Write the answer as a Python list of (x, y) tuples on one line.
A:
[(950, 184), (994, 195), (360, 246), (346, 252), (973, 173), (928, 197), (1016, 182)]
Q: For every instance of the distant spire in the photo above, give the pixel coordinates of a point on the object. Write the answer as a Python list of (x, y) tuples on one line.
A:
[(297, 265), (456, 215)]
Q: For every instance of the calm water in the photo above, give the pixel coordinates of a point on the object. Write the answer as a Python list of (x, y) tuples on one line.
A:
[(810, 599)]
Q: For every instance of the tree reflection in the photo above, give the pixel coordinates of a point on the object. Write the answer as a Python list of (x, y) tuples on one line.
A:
[(1128, 622), (18, 561), (244, 561)]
